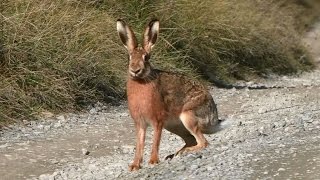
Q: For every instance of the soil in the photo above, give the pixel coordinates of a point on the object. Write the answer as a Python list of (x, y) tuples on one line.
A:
[(269, 133)]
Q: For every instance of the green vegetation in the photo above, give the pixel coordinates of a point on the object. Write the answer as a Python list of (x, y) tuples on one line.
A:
[(58, 55)]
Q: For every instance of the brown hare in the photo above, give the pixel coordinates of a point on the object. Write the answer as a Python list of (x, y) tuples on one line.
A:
[(164, 99)]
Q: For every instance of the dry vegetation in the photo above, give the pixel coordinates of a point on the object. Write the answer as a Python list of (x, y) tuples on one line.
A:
[(56, 55)]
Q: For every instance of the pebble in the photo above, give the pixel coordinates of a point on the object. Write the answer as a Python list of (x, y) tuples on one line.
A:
[(194, 167), (181, 168), (57, 125), (93, 111), (46, 177), (54, 161), (85, 151), (261, 111), (2, 146), (40, 126), (61, 118), (281, 169)]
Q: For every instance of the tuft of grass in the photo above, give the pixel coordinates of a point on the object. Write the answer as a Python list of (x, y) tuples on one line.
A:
[(60, 55), (228, 41), (57, 54)]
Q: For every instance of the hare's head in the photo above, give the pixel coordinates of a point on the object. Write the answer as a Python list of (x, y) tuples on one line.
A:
[(139, 65)]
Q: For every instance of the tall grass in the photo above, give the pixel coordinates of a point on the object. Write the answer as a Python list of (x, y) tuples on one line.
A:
[(227, 40), (56, 55)]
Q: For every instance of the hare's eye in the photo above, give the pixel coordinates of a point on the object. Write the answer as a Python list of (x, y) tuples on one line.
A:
[(146, 57)]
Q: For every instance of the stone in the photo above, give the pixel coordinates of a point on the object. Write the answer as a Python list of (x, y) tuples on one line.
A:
[(85, 151)]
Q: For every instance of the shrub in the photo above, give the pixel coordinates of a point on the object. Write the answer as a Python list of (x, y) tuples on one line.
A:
[(56, 55)]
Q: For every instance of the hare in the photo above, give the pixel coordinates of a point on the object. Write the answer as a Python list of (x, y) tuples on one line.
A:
[(164, 99)]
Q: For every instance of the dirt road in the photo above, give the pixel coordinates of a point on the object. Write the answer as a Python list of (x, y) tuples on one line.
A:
[(269, 133)]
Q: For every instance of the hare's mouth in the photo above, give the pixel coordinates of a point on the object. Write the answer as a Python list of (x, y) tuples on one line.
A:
[(139, 74)]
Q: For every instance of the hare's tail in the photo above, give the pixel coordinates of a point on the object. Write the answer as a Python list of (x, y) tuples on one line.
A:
[(223, 124)]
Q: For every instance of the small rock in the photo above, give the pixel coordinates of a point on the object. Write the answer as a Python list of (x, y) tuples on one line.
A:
[(224, 148), (93, 111), (54, 175), (250, 83), (281, 145), (294, 155), (40, 126), (33, 160), (283, 124), (309, 120), (127, 149), (210, 168), (57, 125), (46, 128), (262, 132), (92, 167), (194, 167), (181, 168), (45, 177), (4, 146), (85, 151), (54, 161), (61, 118), (287, 129), (281, 169), (261, 111)]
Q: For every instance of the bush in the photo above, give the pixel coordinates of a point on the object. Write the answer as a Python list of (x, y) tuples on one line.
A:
[(59, 55)]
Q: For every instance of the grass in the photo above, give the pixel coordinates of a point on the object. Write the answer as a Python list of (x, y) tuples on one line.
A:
[(57, 54), (62, 55)]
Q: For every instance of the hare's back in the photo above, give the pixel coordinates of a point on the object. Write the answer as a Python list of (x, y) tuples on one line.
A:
[(181, 91)]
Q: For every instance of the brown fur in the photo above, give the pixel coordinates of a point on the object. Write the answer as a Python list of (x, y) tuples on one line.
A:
[(164, 99)]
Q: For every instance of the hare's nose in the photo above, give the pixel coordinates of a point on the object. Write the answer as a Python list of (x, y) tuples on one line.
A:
[(135, 71)]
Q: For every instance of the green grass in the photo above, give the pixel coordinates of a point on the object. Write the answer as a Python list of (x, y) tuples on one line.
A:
[(61, 55)]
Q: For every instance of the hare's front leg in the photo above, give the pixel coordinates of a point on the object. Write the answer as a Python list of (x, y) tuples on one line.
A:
[(141, 134), (157, 127)]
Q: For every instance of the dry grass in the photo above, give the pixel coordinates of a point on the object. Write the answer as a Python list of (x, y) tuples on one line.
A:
[(60, 54), (57, 53), (238, 41)]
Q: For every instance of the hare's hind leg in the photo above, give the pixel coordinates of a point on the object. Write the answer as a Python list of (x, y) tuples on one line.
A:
[(188, 139), (192, 124)]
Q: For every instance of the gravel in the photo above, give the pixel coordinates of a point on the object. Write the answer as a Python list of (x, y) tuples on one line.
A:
[(266, 132)]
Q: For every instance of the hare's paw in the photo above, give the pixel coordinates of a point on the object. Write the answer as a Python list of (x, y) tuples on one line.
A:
[(154, 161), (134, 167), (195, 148)]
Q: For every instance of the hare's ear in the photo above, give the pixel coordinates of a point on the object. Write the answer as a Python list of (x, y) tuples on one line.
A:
[(150, 35), (127, 36)]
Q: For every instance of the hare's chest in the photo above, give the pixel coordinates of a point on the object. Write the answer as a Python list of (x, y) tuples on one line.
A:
[(144, 101)]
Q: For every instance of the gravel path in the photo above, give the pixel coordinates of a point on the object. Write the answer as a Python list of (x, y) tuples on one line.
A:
[(268, 134)]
